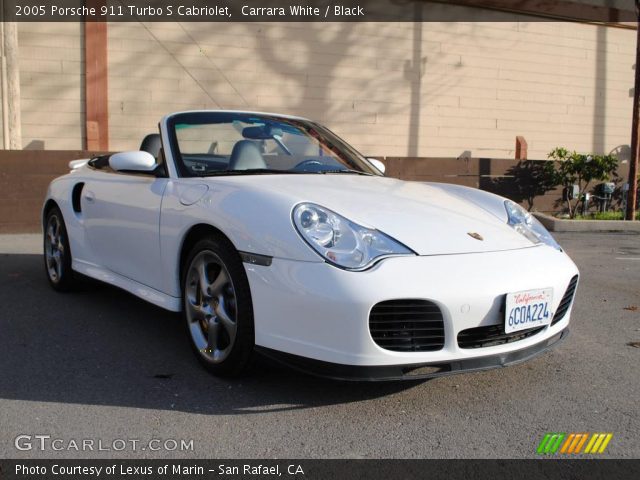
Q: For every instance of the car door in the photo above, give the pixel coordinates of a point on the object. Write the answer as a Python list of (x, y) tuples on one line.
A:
[(122, 221)]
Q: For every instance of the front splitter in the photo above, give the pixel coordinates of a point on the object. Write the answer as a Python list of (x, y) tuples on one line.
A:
[(418, 371)]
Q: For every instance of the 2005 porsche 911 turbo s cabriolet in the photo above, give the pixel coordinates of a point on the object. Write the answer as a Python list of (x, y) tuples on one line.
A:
[(271, 234)]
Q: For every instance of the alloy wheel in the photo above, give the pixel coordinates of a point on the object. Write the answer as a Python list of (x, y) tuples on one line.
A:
[(211, 308), (54, 248)]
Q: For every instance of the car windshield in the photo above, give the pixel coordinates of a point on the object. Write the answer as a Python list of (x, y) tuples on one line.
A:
[(235, 143)]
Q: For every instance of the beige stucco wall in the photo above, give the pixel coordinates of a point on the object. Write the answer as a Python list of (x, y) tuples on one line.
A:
[(391, 89), (51, 84)]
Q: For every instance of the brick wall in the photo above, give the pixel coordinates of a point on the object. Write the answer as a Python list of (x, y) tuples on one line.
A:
[(24, 178), (25, 175), (513, 179)]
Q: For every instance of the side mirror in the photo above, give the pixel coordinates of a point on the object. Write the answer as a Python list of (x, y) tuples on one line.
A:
[(378, 164), (137, 161)]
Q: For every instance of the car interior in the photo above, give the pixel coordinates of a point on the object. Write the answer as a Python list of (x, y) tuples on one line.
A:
[(260, 148)]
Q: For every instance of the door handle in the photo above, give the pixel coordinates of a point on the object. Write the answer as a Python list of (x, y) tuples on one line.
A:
[(89, 197)]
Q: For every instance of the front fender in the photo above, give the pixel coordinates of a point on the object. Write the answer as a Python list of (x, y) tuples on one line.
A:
[(253, 220)]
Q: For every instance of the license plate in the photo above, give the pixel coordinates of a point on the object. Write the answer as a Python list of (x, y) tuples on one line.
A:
[(528, 309)]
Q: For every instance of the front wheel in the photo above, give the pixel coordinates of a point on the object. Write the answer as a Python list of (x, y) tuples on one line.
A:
[(57, 254), (217, 307)]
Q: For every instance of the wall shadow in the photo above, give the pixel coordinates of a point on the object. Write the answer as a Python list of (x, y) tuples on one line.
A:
[(600, 92), (522, 183), (414, 68), (102, 346), (35, 145)]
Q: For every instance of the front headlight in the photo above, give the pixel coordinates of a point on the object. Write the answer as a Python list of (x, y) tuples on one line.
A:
[(342, 242), (528, 225)]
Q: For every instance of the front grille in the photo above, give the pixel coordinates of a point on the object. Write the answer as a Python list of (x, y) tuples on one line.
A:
[(565, 303), (492, 335), (407, 325)]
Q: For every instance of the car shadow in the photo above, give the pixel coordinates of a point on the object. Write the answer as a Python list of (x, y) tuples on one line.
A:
[(103, 346)]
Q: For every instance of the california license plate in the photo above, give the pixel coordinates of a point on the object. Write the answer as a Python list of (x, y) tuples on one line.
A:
[(528, 309)]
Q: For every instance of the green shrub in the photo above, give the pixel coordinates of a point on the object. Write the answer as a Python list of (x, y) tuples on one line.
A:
[(605, 216), (572, 168)]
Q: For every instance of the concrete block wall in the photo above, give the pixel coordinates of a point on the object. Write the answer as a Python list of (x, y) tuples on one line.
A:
[(391, 89), (51, 83)]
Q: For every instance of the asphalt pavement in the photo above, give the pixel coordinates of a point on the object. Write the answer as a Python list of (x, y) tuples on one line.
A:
[(104, 366)]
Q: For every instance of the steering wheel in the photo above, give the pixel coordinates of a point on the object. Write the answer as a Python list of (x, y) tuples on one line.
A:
[(308, 163)]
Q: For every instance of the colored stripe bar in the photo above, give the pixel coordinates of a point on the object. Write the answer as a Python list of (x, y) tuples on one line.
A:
[(568, 442), (605, 442), (593, 439), (572, 443), (549, 445), (543, 443), (556, 445), (596, 445), (583, 439)]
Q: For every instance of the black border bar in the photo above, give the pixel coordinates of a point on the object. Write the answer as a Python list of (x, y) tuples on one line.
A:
[(574, 469), (317, 11)]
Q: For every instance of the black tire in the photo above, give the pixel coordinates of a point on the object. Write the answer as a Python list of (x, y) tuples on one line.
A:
[(229, 352), (57, 253)]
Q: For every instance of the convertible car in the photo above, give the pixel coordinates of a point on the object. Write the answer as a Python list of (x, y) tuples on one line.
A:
[(270, 234)]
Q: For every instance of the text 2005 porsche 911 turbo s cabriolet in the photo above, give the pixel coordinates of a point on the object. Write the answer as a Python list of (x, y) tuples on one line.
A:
[(271, 234)]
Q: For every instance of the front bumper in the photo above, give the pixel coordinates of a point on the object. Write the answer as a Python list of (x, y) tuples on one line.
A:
[(320, 312), (411, 372)]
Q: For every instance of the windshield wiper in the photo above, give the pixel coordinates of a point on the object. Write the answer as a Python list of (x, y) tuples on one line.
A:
[(249, 171), (358, 172), (262, 171)]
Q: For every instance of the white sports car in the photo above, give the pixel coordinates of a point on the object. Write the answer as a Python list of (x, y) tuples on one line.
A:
[(271, 234)]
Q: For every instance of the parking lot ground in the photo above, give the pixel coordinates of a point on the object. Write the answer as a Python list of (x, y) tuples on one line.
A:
[(102, 364)]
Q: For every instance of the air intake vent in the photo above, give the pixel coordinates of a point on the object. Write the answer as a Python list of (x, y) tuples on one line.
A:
[(566, 301), (75, 197), (492, 335), (407, 325)]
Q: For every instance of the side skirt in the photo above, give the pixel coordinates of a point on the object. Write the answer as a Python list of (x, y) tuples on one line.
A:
[(151, 295)]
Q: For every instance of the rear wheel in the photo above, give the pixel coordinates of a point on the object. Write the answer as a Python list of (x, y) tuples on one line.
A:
[(217, 307), (57, 254)]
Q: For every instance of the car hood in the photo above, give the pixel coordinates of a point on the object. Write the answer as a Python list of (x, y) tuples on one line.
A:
[(425, 217)]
